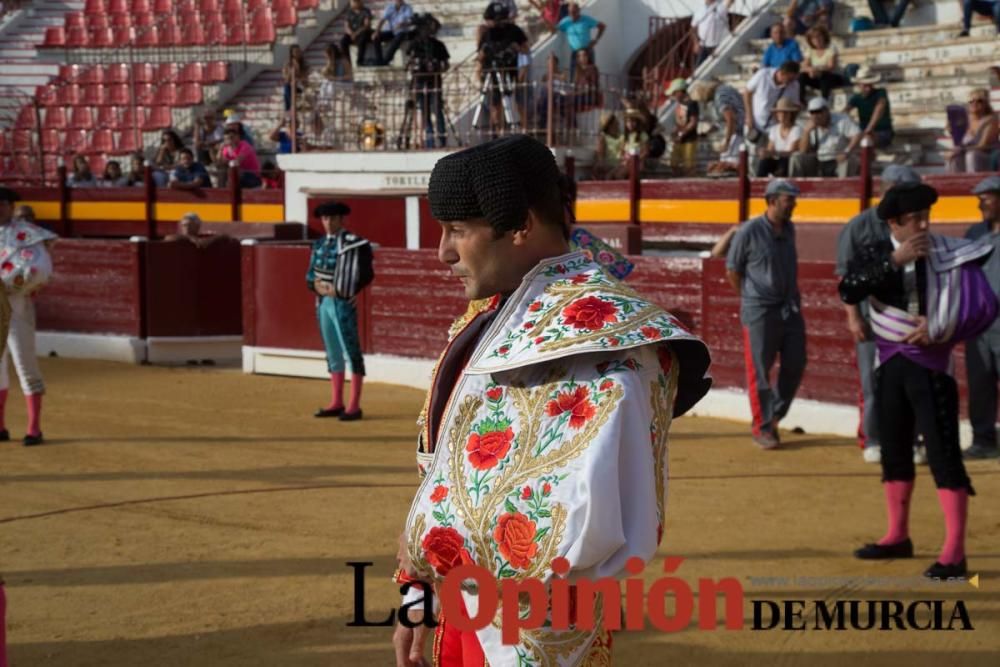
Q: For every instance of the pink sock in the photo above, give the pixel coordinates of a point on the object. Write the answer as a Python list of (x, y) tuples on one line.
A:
[(897, 502), (3, 407), (356, 382), (955, 505), (34, 402), (336, 391)]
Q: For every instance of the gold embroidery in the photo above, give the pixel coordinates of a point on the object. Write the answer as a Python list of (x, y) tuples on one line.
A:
[(549, 646), (414, 544), (662, 400), (636, 320)]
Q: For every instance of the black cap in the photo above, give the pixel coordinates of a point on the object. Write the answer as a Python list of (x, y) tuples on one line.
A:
[(496, 11), (498, 180), (6, 194), (331, 208), (906, 198)]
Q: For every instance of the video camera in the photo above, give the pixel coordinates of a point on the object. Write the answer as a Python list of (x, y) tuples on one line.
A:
[(498, 55), (422, 52)]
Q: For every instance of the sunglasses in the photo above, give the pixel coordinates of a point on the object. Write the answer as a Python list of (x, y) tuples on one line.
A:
[(977, 100)]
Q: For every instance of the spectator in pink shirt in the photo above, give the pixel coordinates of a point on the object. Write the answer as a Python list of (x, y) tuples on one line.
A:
[(240, 151)]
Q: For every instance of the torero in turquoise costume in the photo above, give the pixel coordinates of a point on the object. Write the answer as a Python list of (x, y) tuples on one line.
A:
[(339, 268)]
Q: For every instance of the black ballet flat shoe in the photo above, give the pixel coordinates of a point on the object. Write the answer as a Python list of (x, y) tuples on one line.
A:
[(941, 571), (350, 416), (32, 440), (4, 435), (902, 549), (329, 412)]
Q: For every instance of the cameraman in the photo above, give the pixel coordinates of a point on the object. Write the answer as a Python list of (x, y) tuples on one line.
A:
[(427, 59), (501, 51)]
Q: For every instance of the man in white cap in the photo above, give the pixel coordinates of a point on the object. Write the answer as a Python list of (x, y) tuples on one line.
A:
[(762, 265), (982, 354), (829, 143), (863, 230)]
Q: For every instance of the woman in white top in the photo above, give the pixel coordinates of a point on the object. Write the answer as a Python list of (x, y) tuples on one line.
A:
[(782, 139), (820, 66)]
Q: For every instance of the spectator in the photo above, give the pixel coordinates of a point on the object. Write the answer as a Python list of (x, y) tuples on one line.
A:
[(710, 25), (500, 53), (820, 66), (282, 136), (294, 69), (763, 91), (989, 8), (588, 81), (635, 142), (685, 134), (240, 151), (828, 144), (881, 19), (136, 171), (552, 12), (609, 146), (980, 140), (427, 59), (562, 91), (782, 140), (337, 72), (188, 174), (359, 31), (208, 136), (113, 177), (490, 14), (729, 109), (189, 229), (782, 49), (578, 29), (805, 14), (235, 122), (270, 176), (874, 113), (393, 27), (81, 177), (166, 157)]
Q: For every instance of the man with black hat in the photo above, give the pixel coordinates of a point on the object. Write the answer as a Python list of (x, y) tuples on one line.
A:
[(762, 265), (862, 230), (559, 382), (927, 293), (340, 267), (982, 354)]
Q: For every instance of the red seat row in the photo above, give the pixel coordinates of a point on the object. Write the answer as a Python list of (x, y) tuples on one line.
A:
[(204, 73), (149, 118), (71, 142), (120, 94), (99, 7)]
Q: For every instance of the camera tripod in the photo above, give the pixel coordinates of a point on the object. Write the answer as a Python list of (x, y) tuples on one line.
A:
[(429, 112), (501, 82)]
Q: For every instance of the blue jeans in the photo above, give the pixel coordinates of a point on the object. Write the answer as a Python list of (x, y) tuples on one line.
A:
[(428, 100), (881, 18), (984, 7)]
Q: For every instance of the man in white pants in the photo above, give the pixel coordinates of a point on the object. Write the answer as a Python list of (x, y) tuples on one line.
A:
[(25, 265)]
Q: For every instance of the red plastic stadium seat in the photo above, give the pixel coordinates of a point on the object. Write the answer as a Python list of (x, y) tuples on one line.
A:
[(163, 6), (94, 7), (187, 7), (51, 167), (131, 116), (189, 94), (169, 32), (75, 20), (285, 17), (77, 36), (122, 34), (215, 33), (192, 73), (158, 118), (55, 36), (167, 72), (144, 93), (120, 94), (68, 72), (147, 35), (143, 73), (254, 5), (55, 118), (217, 71), (121, 20), (90, 75), (74, 141), (126, 142), (101, 38), (101, 141), (142, 7), (262, 31), (98, 21), (26, 118), (117, 73), (209, 6), (81, 118), (232, 6), (166, 95), (234, 34), (68, 94), (119, 7), (51, 141), (308, 4), (192, 31), (96, 94), (108, 117), (143, 18), (97, 164), (22, 140), (46, 95)]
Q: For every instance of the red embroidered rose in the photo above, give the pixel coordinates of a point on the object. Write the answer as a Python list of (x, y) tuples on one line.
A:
[(444, 549), (535, 307), (580, 278), (526, 493), (560, 268), (666, 359), (494, 394), (607, 384), (576, 402), (546, 489), (504, 349), (528, 325), (485, 451), (652, 333), (539, 340), (590, 312), (6, 267), (630, 363), (21, 236), (439, 494), (515, 537), (603, 366), (613, 342)]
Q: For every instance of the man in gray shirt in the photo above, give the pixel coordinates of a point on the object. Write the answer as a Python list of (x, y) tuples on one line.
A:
[(982, 354), (762, 265), (862, 230)]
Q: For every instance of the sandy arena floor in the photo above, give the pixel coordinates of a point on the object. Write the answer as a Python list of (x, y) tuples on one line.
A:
[(202, 517)]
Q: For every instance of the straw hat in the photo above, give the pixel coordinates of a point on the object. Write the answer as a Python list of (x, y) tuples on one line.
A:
[(785, 104), (866, 75), (703, 91), (677, 85), (979, 94)]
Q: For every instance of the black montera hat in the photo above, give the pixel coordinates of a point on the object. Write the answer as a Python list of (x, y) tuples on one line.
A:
[(906, 198), (499, 181), (331, 208), (6, 194)]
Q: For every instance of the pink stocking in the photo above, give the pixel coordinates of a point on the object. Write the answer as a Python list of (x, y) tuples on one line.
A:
[(34, 402), (336, 391), (897, 501), (356, 382), (955, 505)]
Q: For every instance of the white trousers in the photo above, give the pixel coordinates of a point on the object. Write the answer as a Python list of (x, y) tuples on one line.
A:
[(21, 345)]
